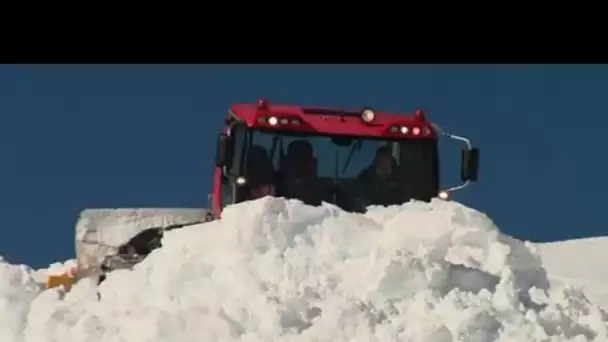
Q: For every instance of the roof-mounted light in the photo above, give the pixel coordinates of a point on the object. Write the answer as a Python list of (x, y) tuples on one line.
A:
[(368, 115), (262, 104), (420, 115), (278, 121)]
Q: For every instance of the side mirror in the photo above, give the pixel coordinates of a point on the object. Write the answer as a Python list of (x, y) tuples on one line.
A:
[(223, 152), (470, 165)]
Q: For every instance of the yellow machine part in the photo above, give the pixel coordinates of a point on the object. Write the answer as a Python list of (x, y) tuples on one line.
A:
[(57, 280)]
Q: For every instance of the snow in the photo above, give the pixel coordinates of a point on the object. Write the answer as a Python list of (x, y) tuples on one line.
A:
[(277, 270), (57, 268), (580, 263)]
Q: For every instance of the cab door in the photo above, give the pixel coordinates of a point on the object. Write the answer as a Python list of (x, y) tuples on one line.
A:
[(232, 170)]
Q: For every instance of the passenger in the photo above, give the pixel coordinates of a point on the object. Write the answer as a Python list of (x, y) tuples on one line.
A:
[(379, 181), (299, 173), (260, 174), (300, 162)]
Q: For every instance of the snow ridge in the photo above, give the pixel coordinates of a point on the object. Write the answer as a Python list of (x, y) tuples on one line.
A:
[(278, 270)]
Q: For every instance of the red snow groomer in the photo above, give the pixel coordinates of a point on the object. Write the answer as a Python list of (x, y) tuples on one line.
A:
[(351, 158)]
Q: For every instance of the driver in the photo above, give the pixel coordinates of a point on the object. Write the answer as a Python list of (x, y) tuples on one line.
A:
[(260, 174), (379, 181), (299, 173)]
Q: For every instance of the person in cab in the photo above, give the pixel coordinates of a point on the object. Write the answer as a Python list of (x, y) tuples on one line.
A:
[(379, 182), (260, 174), (298, 173)]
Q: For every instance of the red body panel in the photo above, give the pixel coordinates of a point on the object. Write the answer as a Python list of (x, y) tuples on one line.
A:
[(334, 124), (216, 199), (216, 196)]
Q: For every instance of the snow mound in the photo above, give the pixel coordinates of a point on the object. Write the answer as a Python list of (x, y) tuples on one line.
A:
[(18, 288), (277, 270), (584, 267)]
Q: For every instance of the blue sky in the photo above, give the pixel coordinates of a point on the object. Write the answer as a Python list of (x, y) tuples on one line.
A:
[(82, 136)]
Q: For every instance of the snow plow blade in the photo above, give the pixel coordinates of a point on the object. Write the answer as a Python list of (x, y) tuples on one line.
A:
[(100, 233)]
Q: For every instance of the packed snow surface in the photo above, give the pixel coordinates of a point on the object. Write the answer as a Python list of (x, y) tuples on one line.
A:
[(580, 263), (277, 270)]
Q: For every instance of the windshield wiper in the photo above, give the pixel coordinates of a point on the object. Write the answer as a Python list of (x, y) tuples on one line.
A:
[(355, 146)]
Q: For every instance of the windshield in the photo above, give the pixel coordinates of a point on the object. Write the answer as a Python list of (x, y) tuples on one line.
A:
[(351, 172)]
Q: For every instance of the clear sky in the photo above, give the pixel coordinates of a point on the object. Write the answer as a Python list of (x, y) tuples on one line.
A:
[(80, 136)]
